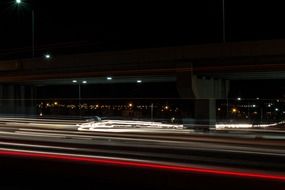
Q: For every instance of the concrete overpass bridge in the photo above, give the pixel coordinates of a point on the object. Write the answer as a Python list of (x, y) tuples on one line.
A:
[(201, 72), (216, 59)]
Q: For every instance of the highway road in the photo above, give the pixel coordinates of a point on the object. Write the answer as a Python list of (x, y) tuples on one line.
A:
[(184, 150)]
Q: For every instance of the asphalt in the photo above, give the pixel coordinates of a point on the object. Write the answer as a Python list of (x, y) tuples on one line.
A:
[(230, 151), (182, 148)]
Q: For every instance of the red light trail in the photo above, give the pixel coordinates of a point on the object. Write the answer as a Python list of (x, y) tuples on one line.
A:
[(141, 165)]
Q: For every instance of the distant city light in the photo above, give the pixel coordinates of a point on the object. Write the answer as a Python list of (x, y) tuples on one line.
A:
[(74, 81), (269, 105), (18, 1), (254, 105), (219, 109), (238, 98), (130, 105), (257, 98), (55, 103), (139, 81), (109, 78), (84, 82), (276, 109), (234, 110), (41, 114), (166, 107)]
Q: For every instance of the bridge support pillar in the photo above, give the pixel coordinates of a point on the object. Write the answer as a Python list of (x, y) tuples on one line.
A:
[(203, 92), (17, 99)]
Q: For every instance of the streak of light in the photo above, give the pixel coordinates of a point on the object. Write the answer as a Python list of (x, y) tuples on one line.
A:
[(241, 126), (124, 124), (138, 164)]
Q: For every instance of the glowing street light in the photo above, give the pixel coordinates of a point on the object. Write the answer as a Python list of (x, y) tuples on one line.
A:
[(109, 78), (47, 56), (79, 88), (18, 1)]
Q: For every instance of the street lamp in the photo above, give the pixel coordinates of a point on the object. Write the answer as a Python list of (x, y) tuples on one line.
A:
[(19, 2), (224, 21), (47, 56), (79, 88)]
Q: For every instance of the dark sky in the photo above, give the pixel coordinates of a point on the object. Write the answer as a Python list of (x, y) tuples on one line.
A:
[(77, 26)]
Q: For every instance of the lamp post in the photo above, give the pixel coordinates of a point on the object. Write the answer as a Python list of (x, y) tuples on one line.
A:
[(79, 89), (151, 112), (224, 21), (19, 2)]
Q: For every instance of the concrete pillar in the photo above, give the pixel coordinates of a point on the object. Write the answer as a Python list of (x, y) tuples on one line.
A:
[(207, 91), (184, 85), (32, 102), (22, 99), (14, 99), (205, 112), (203, 92)]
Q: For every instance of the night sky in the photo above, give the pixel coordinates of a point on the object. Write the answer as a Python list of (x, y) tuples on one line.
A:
[(78, 26)]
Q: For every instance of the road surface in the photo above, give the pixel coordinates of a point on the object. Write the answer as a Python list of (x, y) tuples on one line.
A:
[(181, 148)]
